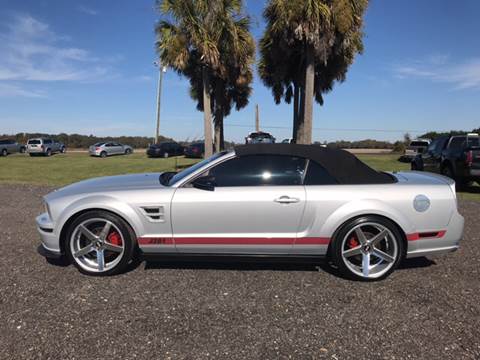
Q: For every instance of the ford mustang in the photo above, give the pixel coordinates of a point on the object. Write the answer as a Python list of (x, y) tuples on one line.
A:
[(279, 200)]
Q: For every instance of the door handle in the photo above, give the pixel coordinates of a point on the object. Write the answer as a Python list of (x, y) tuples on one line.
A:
[(286, 200)]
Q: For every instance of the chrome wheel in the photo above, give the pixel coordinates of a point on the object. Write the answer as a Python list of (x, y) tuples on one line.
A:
[(97, 245), (369, 250)]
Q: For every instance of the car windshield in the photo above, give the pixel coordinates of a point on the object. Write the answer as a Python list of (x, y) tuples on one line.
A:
[(98, 144), (473, 141), (183, 174), (34, 141)]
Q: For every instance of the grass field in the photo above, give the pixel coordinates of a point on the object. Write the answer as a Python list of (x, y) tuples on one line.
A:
[(67, 168)]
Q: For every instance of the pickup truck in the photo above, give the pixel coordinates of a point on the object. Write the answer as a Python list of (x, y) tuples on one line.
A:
[(457, 157), (8, 146)]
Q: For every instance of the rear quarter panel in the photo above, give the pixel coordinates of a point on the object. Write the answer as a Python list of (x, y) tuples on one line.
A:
[(328, 207)]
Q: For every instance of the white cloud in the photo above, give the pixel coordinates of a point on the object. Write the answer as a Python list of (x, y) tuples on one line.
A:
[(441, 69), (14, 90), (32, 51), (86, 10)]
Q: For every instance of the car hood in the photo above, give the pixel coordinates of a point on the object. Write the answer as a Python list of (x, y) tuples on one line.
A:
[(110, 183)]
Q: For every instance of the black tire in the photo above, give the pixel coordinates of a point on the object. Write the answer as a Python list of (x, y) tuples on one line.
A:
[(4, 152), (22, 150), (339, 241), (166, 155), (31, 154), (63, 150), (48, 152), (103, 154), (130, 253), (128, 152), (413, 166)]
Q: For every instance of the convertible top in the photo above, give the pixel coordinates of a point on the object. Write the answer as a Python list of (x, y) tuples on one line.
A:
[(342, 165)]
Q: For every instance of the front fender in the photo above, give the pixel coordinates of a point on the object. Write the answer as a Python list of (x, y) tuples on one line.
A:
[(101, 202), (365, 207)]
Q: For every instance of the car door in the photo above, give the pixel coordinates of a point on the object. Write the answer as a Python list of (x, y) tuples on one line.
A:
[(255, 208)]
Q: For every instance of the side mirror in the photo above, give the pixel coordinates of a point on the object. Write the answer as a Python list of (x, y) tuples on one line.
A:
[(204, 183)]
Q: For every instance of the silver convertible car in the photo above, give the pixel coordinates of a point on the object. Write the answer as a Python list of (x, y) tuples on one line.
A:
[(281, 200)]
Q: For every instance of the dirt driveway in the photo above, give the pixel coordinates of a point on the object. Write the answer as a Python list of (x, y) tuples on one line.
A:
[(427, 309)]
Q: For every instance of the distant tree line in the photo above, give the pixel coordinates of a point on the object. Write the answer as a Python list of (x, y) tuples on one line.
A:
[(360, 144), (84, 141)]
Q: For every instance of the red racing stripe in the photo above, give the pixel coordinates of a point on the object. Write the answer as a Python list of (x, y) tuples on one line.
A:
[(233, 241)]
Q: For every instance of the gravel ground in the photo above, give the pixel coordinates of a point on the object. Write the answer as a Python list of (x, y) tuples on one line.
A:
[(426, 309)]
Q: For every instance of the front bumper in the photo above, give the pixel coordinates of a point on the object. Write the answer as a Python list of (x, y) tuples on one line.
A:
[(438, 246), (50, 240)]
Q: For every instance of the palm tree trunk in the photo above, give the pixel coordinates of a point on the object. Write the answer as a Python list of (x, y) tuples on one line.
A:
[(219, 111), (207, 113), (306, 125), (296, 99)]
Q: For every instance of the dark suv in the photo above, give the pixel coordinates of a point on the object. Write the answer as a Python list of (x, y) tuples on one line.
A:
[(457, 157), (165, 149), (195, 150)]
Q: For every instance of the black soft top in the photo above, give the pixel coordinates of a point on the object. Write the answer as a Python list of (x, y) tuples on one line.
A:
[(342, 165)]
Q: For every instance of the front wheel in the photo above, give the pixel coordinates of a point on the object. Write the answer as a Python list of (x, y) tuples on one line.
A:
[(368, 248), (48, 153), (63, 150), (4, 152), (100, 243), (128, 152)]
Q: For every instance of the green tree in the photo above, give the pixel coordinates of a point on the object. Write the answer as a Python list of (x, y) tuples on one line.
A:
[(306, 47), (209, 42)]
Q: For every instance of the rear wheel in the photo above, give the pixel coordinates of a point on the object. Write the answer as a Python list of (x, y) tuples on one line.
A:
[(165, 155), (4, 152), (368, 248), (63, 150), (103, 154), (100, 243), (48, 152)]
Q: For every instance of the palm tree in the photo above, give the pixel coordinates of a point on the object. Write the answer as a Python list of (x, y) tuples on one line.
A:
[(209, 42), (318, 40)]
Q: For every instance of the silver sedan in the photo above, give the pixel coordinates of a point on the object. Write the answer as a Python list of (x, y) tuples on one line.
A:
[(270, 200), (104, 149)]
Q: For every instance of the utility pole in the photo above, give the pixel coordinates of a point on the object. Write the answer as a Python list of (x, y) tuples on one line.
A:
[(257, 119), (161, 70)]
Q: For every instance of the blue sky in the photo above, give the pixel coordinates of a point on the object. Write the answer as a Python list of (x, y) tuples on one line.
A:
[(87, 67)]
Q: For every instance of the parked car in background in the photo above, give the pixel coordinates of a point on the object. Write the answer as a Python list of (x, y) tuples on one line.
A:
[(416, 147), (104, 149), (457, 157), (195, 150), (165, 149), (259, 138), (9, 146), (44, 146), (288, 141)]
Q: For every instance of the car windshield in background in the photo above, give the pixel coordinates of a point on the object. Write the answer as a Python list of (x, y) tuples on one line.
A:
[(419, 143), (183, 174), (473, 141), (34, 142)]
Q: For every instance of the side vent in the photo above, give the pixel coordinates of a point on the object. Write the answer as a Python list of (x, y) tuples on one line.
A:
[(154, 213)]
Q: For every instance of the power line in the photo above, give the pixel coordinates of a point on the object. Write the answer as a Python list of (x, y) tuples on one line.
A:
[(332, 129)]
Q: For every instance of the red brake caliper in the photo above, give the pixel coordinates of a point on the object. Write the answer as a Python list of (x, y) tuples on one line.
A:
[(115, 238), (352, 242)]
